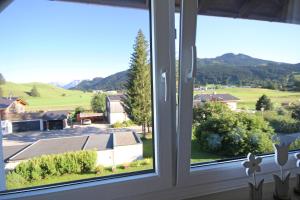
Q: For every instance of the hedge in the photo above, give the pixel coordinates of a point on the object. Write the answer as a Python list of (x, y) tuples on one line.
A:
[(55, 165)]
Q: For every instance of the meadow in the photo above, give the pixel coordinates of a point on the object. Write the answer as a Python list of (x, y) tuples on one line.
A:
[(249, 96), (51, 97)]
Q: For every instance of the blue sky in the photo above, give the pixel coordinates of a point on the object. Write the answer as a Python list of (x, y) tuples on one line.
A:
[(48, 41)]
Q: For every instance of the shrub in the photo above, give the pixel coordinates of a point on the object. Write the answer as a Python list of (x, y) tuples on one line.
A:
[(48, 167), (220, 130), (127, 123), (117, 125), (99, 169), (14, 180), (282, 123), (51, 165)]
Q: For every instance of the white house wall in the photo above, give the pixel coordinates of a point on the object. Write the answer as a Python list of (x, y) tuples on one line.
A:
[(117, 117), (105, 158), (232, 105), (120, 155), (127, 154)]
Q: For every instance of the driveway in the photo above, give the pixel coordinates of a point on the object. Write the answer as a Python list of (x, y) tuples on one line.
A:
[(77, 130)]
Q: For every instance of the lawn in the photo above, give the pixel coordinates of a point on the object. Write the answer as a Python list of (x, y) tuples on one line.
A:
[(249, 96), (51, 97)]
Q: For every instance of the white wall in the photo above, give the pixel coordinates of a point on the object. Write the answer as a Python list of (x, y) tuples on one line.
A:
[(117, 117), (105, 158), (6, 127), (232, 105), (120, 155), (127, 154)]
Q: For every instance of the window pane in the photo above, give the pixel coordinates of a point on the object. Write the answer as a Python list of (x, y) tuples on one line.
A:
[(246, 93), (75, 92)]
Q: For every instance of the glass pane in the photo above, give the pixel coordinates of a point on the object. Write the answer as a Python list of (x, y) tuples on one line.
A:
[(246, 91), (75, 92)]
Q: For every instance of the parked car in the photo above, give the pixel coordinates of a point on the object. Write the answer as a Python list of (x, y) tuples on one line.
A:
[(86, 122)]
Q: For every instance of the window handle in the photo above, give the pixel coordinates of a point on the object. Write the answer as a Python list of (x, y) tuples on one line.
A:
[(193, 69), (164, 79)]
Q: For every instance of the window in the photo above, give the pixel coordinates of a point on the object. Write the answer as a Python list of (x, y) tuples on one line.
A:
[(87, 132), (190, 156), (237, 93)]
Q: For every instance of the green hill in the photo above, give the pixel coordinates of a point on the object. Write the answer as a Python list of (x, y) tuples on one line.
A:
[(52, 98)]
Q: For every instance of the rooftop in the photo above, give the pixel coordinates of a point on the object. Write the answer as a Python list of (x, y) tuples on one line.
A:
[(117, 97), (99, 142), (5, 102), (215, 97)]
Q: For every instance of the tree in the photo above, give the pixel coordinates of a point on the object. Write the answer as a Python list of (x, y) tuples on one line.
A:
[(1, 92), (264, 102), (2, 80), (137, 100), (34, 92), (98, 103), (295, 109), (78, 110)]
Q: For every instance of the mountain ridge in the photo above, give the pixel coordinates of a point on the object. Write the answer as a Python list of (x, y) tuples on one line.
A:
[(229, 68)]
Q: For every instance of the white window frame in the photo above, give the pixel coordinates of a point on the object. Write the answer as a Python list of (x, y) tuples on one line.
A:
[(209, 178), (164, 106)]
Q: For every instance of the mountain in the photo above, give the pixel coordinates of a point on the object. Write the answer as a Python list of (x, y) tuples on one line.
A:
[(227, 69), (113, 82), (236, 60), (71, 84), (57, 84), (240, 69)]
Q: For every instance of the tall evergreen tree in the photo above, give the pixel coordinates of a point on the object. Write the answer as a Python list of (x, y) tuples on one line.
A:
[(1, 92), (264, 102), (137, 100), (34, 92), (2, 79)]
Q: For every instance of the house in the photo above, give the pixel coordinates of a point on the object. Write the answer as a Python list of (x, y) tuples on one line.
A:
[(114, 109), (35, 121), (11, 105), (228, 99), (112, 148)]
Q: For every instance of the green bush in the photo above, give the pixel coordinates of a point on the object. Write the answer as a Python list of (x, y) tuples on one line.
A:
[(124, 124), (222, 131), (282, 123), (99, 169), (15, 180), (117, 125), (52, 165)]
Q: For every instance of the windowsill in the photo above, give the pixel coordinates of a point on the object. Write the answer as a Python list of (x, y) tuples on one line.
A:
[(243, 193)]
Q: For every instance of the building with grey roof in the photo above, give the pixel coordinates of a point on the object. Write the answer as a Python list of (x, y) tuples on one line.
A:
[(112, 148), (228, 99), (114, 109)]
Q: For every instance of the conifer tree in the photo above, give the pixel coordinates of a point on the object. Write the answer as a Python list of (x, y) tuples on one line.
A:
[(264, 102), (1, 92), (34, 92), (137, 98)]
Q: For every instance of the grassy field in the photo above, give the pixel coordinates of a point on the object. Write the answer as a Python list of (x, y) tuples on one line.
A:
[(52, 98), (249, 96)]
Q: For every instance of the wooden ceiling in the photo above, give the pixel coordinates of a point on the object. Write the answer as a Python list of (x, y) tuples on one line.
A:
[(287, 11)]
